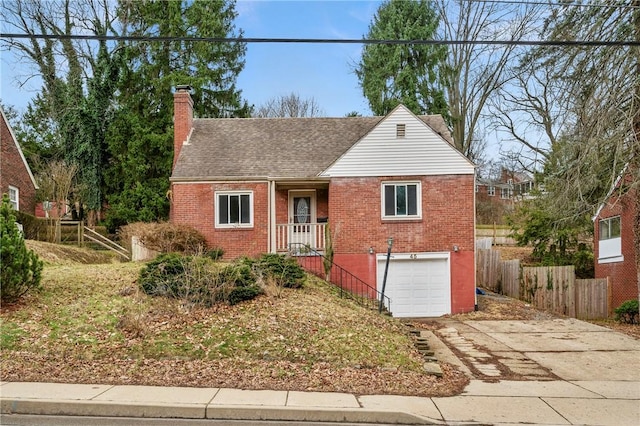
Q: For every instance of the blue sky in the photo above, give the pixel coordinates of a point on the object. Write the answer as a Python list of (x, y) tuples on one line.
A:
[(322, 71)]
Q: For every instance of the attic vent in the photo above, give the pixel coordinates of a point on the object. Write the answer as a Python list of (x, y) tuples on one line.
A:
[(400, 130)]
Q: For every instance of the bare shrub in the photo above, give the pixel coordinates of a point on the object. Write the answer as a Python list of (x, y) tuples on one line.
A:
[(165, 237)]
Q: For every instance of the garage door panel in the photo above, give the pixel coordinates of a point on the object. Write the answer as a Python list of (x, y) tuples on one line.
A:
[(417, 287)]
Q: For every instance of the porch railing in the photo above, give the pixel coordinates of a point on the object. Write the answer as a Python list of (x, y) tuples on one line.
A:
[(348, 284), (310, 235)]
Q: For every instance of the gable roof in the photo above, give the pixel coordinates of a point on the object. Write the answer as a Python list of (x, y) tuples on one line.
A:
[(245, 148), (17, 145), (417, 151)]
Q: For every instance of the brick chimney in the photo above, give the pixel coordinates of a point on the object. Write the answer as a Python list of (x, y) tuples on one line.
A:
[(182, 118)]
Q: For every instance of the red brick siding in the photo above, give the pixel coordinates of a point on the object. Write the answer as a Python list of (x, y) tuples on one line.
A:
[(13, 171), (447, 220), (353, 207), (194, 204), (183, 120), (322, 196), (447, 216), (624, 278), (282, 206)]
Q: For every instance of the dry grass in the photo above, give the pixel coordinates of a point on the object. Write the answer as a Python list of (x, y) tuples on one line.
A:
[(90, 324), (59, 254)]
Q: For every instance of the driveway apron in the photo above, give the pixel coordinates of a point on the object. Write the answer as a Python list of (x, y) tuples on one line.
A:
[(566, 349)]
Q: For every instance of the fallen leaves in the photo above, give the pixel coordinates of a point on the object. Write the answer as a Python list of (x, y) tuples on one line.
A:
[(83, 328)]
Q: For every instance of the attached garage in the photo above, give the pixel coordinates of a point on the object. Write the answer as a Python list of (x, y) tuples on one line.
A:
[(418, 284)]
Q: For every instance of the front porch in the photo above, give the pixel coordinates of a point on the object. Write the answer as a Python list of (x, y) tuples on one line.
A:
[(299, 216), (294, 237)]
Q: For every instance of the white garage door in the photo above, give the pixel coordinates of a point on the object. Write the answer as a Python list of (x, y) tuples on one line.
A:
[(418, 285)]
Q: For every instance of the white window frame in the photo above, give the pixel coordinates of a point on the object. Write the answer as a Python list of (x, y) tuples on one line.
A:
[(217, 195), (418, 214), (491, 191), (505, 193), (610, 247), (14, 197)]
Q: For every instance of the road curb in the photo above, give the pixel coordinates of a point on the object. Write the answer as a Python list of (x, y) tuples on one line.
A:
[(208, 411)]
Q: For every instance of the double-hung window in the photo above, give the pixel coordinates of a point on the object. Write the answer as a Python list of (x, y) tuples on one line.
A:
[(14, 197), (610, 228), (609, 240), (401, 200), (234, 209)]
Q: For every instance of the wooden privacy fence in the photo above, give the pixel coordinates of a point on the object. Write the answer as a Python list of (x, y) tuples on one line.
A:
[(593, 298), (552, 288)]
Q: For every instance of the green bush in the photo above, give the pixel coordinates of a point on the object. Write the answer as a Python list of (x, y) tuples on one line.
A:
[(627, 312), (283, 269), (215, 253), (240, 294), (196, 280), (238, 275), (21, 269), (163, 276)]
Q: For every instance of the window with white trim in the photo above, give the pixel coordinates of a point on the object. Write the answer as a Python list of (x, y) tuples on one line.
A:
[(14, 197), (401, 200), (505, 193), (609, 240), (609, 228), (491, 191), (234, 209)]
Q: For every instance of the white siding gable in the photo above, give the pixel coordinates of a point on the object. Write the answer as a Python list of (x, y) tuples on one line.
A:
[(381, 153)]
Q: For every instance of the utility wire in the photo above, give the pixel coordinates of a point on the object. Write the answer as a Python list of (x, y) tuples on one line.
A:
[(585, 43), (567, 3)]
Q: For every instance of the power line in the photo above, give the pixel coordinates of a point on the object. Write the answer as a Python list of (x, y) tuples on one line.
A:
[(558, 3), (584, 43)]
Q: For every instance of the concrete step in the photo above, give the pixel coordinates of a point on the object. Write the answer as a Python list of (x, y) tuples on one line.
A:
[(432, 368)]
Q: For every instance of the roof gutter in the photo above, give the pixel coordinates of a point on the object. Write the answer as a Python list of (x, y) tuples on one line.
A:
[(213, 179)]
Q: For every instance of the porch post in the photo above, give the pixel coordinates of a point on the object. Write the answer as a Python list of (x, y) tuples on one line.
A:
[(272, 216)]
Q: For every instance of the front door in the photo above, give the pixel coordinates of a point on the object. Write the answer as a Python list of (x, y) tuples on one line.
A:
[(302, 219)]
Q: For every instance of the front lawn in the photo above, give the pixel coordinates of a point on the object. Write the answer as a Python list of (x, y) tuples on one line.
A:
[(91, 324)]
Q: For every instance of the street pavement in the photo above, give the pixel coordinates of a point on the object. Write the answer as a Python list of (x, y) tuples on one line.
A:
[(551, 372)]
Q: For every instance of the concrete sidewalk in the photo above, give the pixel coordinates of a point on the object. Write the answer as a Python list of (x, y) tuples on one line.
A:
[(506, 402)]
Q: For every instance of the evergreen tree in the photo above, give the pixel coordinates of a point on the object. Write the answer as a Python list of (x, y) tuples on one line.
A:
[(21, 268), (140, 137), (390, 74)]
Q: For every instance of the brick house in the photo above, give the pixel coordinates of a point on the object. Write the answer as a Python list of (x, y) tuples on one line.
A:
[(496, 197), (614, 252), (260, 185), (16, 178)]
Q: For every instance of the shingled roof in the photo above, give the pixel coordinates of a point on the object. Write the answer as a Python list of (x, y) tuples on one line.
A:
[(240, 148)]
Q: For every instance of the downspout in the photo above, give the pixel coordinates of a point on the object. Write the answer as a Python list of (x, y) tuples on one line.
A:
[(475, 266)]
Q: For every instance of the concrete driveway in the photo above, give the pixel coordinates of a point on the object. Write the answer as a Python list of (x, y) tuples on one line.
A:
[(546, 371), (565, 349)]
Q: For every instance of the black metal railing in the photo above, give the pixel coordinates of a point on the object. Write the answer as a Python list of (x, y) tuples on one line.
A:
[(348, 284)]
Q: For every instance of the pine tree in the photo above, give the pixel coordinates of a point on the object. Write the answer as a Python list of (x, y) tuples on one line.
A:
[(20, 268), (411, 74)]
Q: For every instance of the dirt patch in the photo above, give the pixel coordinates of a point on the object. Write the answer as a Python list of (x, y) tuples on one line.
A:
[(515, 252), (632, 330)]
